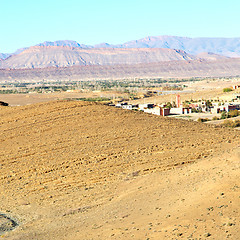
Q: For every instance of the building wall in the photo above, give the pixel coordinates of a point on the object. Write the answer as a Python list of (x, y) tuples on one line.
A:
[(155, 111), (176, 110)]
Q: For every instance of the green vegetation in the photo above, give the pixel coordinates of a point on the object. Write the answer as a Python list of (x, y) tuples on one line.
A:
[(224, 115), (194, 110), (129, 86), (38, 87), (97, 99), (9, 91), (168, 105), (227, 89), (208, 103)]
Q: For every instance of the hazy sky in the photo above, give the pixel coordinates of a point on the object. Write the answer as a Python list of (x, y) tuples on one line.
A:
[(28, 22)]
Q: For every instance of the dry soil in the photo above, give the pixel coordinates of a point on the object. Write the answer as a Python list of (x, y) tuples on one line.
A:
[(77, 170)]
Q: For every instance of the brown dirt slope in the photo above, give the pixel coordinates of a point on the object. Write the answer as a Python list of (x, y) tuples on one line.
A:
[(75, 170)]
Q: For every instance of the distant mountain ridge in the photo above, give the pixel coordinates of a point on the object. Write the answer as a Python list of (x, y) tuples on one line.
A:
[(4, 55), (224, 46), (66, 56), (229, 47), (64, 43)]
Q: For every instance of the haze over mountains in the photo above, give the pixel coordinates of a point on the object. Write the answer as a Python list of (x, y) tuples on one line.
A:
[(4, 55), (224, 46)]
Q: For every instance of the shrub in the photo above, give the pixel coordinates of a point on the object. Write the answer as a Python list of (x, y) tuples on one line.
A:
[(231, 123), (237, 123), (228, 123), (234, 113), (215, 118), (97, 99), (203, 120), (194, 110), (224, 115), (208, 103), (168, 105), (227, 90)]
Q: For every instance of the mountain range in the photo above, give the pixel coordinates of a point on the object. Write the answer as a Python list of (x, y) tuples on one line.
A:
[(224, 46), (163, 56), (58, 56)]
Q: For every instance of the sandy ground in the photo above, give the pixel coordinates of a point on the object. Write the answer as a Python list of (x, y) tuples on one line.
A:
[(221, 121), (74, 170), (199, 90), (196, 116), (27, 99), (199, 95)]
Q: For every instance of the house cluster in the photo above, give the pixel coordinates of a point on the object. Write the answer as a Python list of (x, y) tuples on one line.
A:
[(215, 107), (179, 108), (146, 107), (226, 107), (161, 110)]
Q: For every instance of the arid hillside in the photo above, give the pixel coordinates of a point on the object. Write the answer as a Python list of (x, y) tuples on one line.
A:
[(77, 170), (54, 56), (174, 69)]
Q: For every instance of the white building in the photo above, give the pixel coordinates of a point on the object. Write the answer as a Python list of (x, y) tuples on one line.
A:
[(155, 110), (225, 107), (180, 110), (143, 106)]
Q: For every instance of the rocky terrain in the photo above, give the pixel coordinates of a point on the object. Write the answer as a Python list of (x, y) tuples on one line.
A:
[(55, 56), (175, 69), (77, 170), (211, 56)]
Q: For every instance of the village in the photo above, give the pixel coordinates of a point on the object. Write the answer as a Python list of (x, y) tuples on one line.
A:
[(202, 110)]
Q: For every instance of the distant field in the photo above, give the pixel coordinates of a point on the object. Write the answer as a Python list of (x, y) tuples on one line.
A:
[(26, 99), (205, 89)]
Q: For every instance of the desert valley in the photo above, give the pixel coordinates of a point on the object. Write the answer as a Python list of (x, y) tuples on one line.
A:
[(133, 141)]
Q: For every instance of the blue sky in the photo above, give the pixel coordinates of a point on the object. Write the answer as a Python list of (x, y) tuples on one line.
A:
[(27, 22)]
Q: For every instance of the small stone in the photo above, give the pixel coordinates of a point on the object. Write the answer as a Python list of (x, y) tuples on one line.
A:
[(207, 234)]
